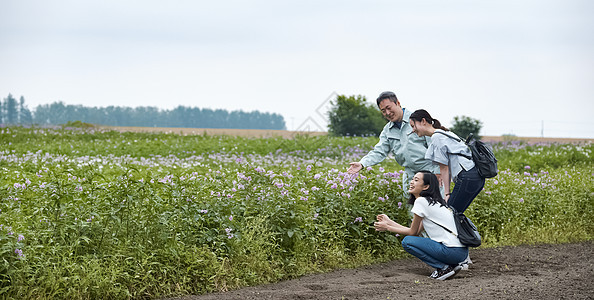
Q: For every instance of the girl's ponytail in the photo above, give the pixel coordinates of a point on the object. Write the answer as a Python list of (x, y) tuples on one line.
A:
[(421, 114), (436, 124)]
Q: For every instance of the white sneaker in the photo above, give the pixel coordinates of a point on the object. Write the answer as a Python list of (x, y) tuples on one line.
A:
[(465, 263)]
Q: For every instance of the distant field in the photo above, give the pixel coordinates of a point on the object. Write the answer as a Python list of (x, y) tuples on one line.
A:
[(216, 131), (288, 134)]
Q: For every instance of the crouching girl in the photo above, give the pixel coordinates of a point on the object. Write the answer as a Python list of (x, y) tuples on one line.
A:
[(442, 250)]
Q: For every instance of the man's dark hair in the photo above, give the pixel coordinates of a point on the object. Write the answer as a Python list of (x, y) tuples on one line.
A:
[(386, 95)]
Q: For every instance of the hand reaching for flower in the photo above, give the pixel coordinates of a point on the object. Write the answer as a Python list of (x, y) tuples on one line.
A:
[(354, 168)]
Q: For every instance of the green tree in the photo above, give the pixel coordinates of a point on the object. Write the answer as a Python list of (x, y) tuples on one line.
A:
[(353, 115), (463, 126), (25, 116), (11, 110)]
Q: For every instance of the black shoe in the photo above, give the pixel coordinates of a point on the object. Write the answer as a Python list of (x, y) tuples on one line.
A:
[(434, 274), (446, 273)]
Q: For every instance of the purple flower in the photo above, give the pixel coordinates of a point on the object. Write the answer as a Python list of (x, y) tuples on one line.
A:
[(317, 176), (315, 216), (381, 169), (230, 218), (358, 219), (521, 200), (526, 173), (488, 193), (381, 198), (308, 168), (399, 204), (229, 234), (527, 167), (19, 253), (20, 238)]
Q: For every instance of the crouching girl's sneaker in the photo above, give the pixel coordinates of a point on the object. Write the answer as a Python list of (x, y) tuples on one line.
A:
[(445, 273)]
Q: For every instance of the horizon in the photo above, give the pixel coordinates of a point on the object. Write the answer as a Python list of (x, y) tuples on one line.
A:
[(522, 68)]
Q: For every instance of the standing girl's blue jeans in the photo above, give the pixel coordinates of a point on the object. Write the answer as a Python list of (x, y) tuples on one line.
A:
[(467, 186), (433, 253)]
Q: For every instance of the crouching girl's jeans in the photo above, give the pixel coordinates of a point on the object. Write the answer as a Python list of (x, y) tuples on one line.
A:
[(433, 253)]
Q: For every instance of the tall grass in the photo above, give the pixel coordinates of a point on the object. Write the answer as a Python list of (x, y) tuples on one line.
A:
[(87, 214)]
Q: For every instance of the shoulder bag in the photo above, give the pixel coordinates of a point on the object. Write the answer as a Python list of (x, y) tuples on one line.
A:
[(467, 232)]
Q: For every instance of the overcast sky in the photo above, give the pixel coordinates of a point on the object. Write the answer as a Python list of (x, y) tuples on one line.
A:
[(521, 67)]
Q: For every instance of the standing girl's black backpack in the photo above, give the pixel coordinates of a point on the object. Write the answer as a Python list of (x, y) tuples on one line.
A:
[(482, 155)]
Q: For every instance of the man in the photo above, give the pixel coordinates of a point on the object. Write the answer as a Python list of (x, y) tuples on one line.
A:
[(397, 136)]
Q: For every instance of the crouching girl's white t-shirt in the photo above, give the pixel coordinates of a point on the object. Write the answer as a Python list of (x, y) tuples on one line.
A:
[(439, 214)]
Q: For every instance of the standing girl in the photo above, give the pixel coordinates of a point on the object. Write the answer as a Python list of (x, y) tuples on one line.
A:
[(454, 159), (441, 250)]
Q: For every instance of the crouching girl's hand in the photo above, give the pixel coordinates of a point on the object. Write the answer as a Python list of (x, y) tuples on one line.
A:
[(383, 222), (382, 217)]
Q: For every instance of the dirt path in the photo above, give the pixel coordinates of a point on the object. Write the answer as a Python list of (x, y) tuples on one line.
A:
[(525, 272)]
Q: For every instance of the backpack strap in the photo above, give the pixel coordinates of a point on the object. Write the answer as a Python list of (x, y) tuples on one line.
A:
[(448, 230), (459, 141)]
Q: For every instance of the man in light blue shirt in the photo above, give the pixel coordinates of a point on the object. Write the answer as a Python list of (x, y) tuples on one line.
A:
[(397, 137)]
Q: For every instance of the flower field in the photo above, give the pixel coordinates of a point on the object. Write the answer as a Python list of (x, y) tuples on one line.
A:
[(103, 214)]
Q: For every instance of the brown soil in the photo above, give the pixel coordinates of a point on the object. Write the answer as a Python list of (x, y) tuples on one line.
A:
[(525, 272)]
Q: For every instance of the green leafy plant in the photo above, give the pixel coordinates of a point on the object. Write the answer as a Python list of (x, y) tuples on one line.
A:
[(115, 215)]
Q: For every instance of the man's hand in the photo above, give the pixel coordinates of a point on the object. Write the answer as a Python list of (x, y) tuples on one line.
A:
[(355, 168)]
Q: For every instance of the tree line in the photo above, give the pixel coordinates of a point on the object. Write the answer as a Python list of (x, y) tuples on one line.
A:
[(13, 112)]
